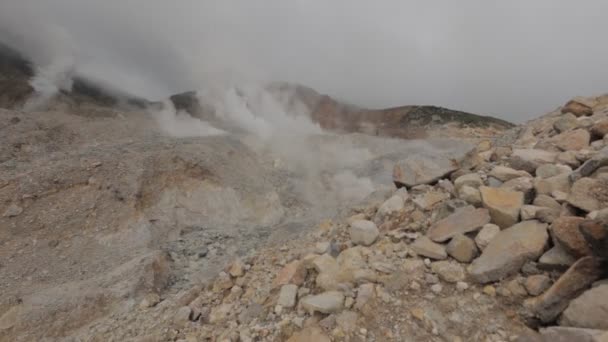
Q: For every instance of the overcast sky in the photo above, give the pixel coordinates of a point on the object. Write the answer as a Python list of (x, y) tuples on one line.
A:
[(513, 59)]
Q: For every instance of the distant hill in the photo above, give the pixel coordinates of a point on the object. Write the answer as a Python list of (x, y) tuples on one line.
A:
[(329, 113), (404, 122)]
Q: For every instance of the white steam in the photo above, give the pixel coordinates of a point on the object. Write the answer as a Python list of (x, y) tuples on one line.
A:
[(181, 124), (320, 161)]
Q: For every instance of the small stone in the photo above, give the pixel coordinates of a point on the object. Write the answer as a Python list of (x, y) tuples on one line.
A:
[(509, 251), (462, 286), (292, 273), (392, 205), (418, 313), (537, 284), (222, 282), (565, 231), (528, 212), (431, 279), (556, 257), (504, 205), (310, 334), (425, 247), (220, 313), (472, 179), (418, 169), (183, 315), (13, 210), (463, 220), (150, 300), (570, 285), (322, 247), (365, 293), (559, 196), (449, 271), (470, 195), (349, 302), (486, 234), (436, 288), (516, 287), (489, 290), (287, 296), (429, 199), (462, 248), (363, 232), (326, 302), (505, 174), (415, 286), (237, 269)]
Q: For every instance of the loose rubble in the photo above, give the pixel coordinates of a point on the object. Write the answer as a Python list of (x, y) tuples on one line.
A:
[(518, 230)]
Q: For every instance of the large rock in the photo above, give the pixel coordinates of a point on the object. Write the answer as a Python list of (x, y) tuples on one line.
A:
[(590, 310), (565, 231), (524, 185), (589, 194), (570, 285), (418, 170), (509, 251), (326, 302), (588, 168), (595, 233), (566, 122), (463, 220), (505, 174), (568, 158), (530, 159), (575, 140), (425, 247), (545, 186), (504, 205), (600, 129), (550, 170), (547, 202), (578, 108), (363, 232), (565, 334)]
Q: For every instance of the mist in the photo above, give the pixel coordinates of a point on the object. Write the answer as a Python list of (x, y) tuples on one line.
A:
[(514, 60)]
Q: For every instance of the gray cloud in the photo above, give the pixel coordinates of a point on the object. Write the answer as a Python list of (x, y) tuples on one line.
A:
[(512, 59)]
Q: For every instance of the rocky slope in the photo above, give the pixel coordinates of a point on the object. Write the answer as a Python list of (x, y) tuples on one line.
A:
[(113, 230), (513, 238)]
